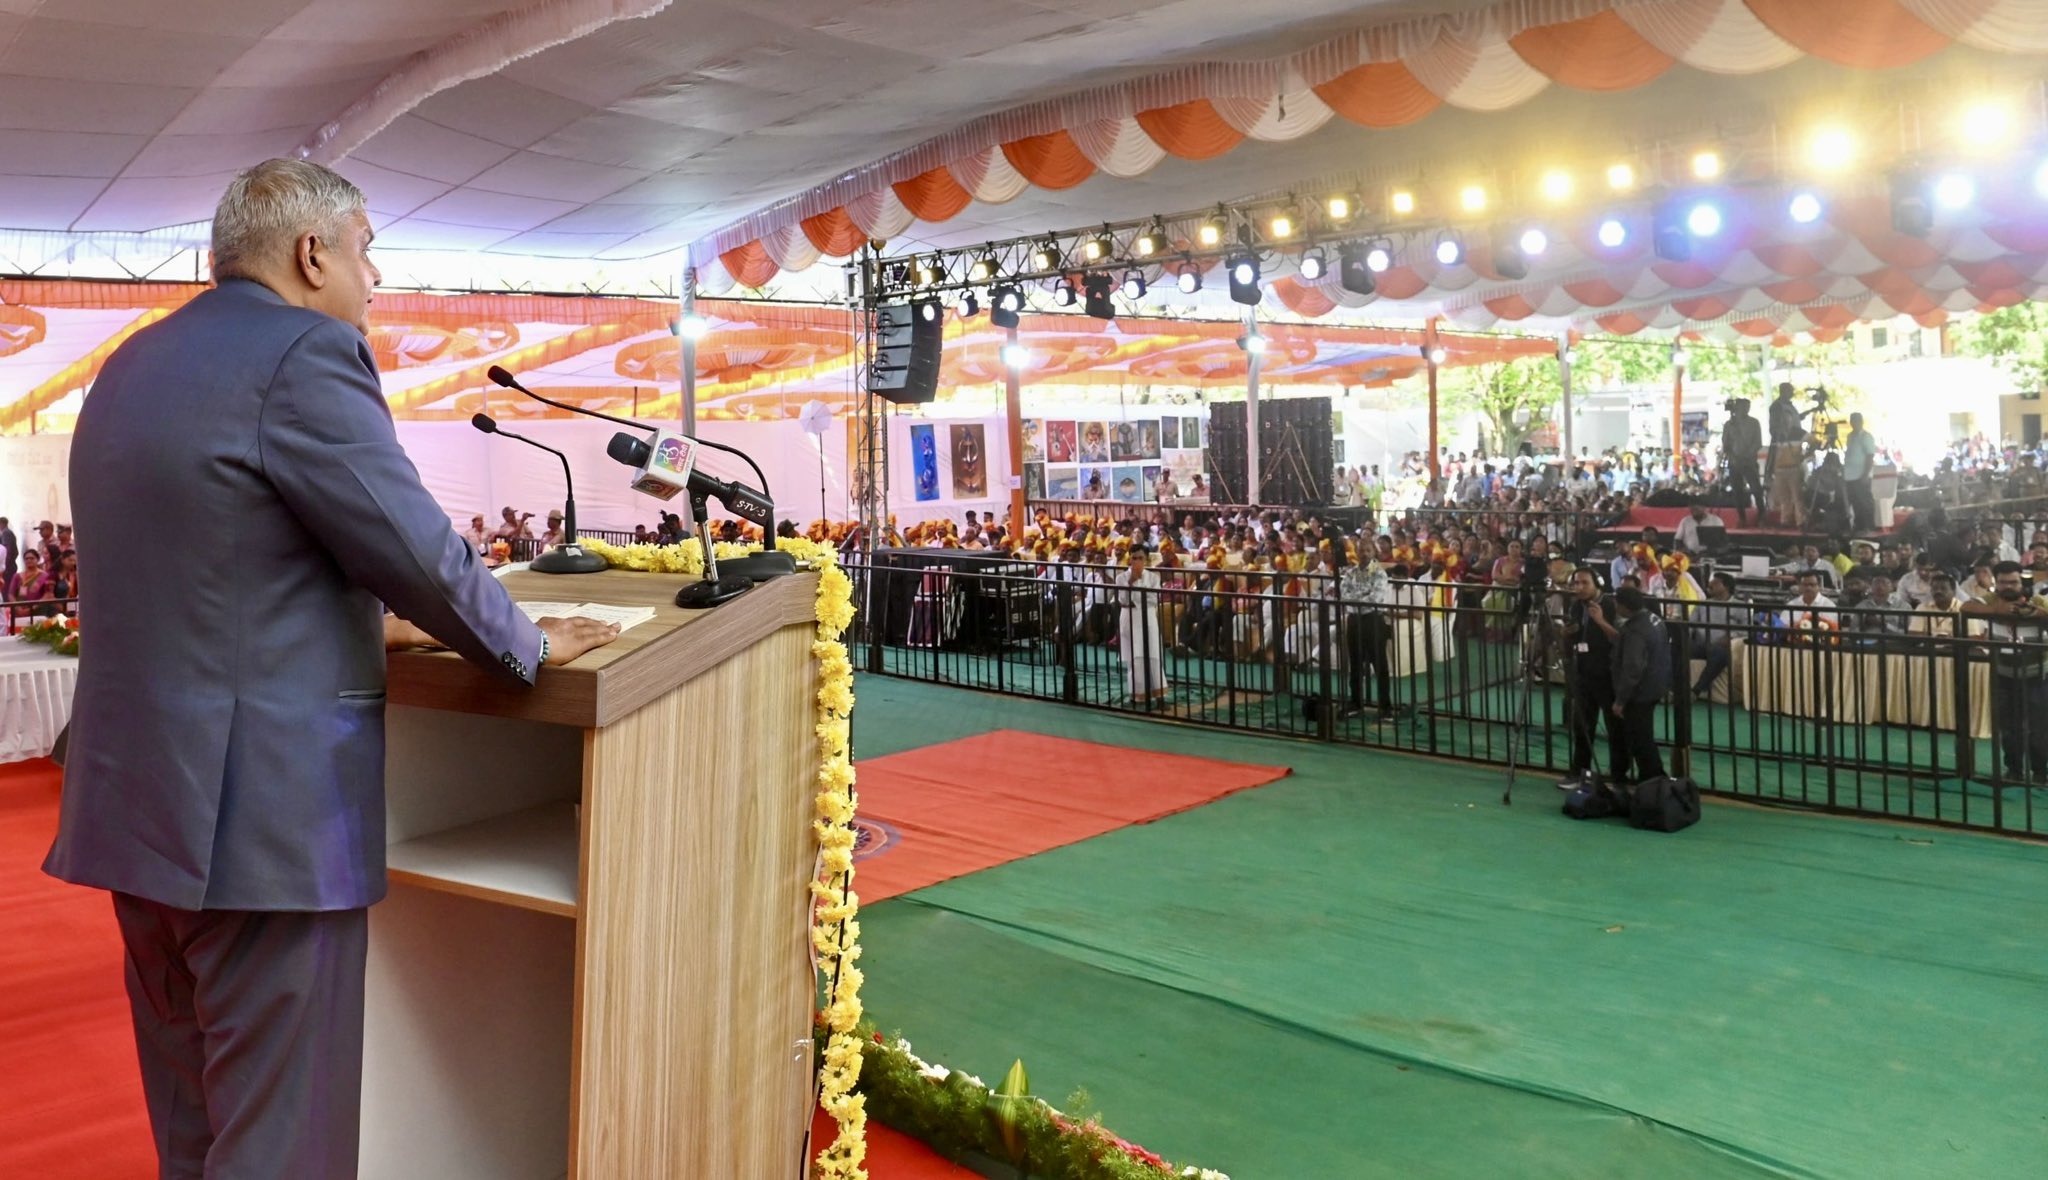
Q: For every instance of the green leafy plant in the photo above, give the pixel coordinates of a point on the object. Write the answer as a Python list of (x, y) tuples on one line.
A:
[(2015, 339), (59, 634)]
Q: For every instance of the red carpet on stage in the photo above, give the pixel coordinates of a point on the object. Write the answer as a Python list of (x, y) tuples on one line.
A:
[(932, 814), (70, 1096)]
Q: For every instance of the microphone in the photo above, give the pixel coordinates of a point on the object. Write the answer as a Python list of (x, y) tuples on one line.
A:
[(666, 466), (567, 557)]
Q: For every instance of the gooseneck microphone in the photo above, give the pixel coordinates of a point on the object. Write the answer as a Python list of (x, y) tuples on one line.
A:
[(567, 557)]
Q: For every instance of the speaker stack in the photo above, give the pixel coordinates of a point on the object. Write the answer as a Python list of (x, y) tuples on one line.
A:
[(908, 340), (1227, 453), (1297, 455)]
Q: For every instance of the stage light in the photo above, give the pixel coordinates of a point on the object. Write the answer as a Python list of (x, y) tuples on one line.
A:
[(1612, 233), (1211, 232), (1706, 165), (968, 307), (1534, 241), (1095, 292), (1402, 203), (1282, 226), (983, 270), (1063, 293), (1450, 251), (1244, 279), (1046, 256), (1314, 264), (1912, 205), (1190, 278), (1805, 208), (1340, 209), (1671, 232), (930, 311), (1435, 356), (1253, 343), (1955, 190), (1151, 242), (2041, 179), (1134, 284), (929, 272), (1004, 303), (1016, 356), (1379, 256), (1621, 177), (1354, 271), (1510, 261), (1986, 124), (1097, 249), (1703, 220), (692, 327), (1472, 198), (1832, 148), (1556, 185)]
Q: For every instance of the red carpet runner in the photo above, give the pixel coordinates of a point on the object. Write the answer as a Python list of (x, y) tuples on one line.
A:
[(931, 814)]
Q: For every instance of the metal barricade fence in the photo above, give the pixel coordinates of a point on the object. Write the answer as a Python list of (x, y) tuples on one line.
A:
[(1851, 710)]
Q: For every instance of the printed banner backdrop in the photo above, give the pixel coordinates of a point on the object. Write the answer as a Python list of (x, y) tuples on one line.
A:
[(970, 461)]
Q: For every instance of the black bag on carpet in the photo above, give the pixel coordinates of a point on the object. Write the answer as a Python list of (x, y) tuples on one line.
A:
[(1593, 800), (1664, 804)]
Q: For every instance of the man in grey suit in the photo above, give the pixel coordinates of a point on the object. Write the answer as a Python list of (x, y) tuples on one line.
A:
[(225, 777)]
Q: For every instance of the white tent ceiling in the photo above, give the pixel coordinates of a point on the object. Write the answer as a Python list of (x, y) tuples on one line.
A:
[(573, 128)]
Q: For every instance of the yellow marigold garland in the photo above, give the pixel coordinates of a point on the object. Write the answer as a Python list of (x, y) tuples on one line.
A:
[(836, 932)]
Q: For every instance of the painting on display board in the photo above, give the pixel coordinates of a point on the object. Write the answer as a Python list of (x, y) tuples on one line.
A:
[(1094, 483), (1169, 434), (1062, 483), (1123, 441), (1034, 481), (1060, 444), (1150, 481), (924, 462), (970, 460), (1148, 440), (1127, 484), (1034, 440), (1185, 466), (1094, 442)]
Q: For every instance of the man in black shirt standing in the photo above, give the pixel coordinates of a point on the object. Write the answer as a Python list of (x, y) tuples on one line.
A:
[(1590, 632), (1741, 438), (1642, 676)]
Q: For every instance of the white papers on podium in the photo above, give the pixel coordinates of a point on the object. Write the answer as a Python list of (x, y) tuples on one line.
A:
[(627, 617)]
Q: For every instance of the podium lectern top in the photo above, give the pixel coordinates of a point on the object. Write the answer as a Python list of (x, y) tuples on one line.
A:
[(609, 683)]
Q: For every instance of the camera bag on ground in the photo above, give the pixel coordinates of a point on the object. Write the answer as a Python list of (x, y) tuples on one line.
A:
[(1664, 804), (1594, 799)]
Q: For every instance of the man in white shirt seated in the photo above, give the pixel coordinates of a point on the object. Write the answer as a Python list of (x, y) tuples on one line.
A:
[(1809, 597), (1918, 585), (1689, 528), (1938, 616), (1810, 561)]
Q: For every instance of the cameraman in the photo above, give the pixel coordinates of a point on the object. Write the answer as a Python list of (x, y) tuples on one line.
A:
[(1788, 457), (2019, 672), (1742, 437), (1590, 631)]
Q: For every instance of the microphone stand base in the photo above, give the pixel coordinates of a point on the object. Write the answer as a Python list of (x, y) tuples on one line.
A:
[(707, 594), (758, 567), (568, 558)]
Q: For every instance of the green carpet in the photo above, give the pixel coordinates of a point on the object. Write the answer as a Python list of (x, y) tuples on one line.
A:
[(1372, 968)]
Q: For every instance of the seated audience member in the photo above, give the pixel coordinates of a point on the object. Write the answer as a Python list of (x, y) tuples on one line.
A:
[(1809, 596), (1981, 585), (1937, 616), (1697, 517), (512, 525), (553, 537), (1918, 586), (1887, 605), (479, 540), (1715, 626)]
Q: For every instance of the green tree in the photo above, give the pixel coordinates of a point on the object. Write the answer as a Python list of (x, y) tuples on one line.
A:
[(1512, 398), (2015, 339)]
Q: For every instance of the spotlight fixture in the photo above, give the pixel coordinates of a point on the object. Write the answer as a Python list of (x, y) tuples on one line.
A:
[(1354, 273), (1986, 124), (1670, 238), (968, 306), (1189, 280), (692, 326), (1046, 256), (1402, 202), (1379, 256), (1831, 149), (1556, 186), (1450, 249), (1534, 241), (1134, 284), (1703, 220), (1097, 249), (1151, 242), (1004, 303), (1804, 208), (1706, 165), (1252, 343), (1244, 279), (929, 310), (1912, 205), (1436, 355), (1621, 177), (1955, 190), (983, 270), (1472, 198), (1063, 293), (1095, 292), (1509, 260), (1314, 264), (1211, 232), (1282, 225), (1340, 209), (1016, 356), (1612, 233), (929, 272)]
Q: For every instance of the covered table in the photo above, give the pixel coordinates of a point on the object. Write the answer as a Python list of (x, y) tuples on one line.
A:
[(35, 698), (1851, 686)]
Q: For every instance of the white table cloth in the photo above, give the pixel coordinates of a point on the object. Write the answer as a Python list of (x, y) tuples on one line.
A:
[(35, 698)]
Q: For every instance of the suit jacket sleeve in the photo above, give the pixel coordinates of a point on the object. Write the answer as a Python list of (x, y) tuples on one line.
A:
[(1631, 662), (326, 443)]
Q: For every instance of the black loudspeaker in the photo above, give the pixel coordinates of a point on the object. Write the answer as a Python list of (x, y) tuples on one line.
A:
[(1297, 456), (909, 338), (1227, 453)]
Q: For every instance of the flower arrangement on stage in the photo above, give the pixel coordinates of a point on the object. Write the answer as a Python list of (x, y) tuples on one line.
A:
[(59, 634), (835, 932), (960, 1116), (1812, 629)]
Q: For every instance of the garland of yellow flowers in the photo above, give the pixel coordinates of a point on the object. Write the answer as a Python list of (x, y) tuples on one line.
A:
[(835, 935)]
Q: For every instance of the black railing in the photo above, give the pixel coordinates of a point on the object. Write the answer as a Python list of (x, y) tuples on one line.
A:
[(16, 614), (1910, 715)]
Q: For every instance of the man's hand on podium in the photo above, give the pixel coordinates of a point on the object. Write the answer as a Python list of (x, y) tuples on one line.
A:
[(570, 638)]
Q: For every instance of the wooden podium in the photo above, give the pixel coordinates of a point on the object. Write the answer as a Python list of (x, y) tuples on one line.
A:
[(620, 990)]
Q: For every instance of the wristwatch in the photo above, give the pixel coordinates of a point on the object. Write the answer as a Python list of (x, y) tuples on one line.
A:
[(543, 647)]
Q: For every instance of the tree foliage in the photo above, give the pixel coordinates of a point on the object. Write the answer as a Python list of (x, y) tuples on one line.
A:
[(2015, 339)]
